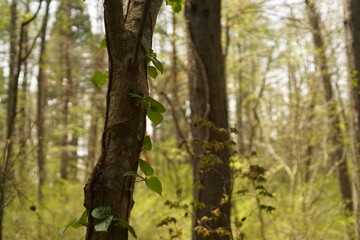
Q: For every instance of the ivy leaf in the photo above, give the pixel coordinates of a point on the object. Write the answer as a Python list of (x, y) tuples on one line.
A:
[(155, 105), (154, 184), (147, 144), (104, 225), (135, 95), (154, 117), (75, 223), (103, 43), (151, 71), (99, 79), (146, 168), (158, 65), (101, 212), (124, 223), (130, 173)]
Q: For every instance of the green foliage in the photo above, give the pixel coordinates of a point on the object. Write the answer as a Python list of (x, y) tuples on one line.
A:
[(154, 184), (101, 212), (154, 108), (75, 223), (176, 5), (104, 225), (103, 43), (146, 168), (104, 213), (147, 144), (151, 57), (99, 79)]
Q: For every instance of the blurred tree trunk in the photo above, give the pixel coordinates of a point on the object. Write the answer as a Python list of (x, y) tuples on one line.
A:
[(352, 36), (124, 117), (69, 138), (41, 105), (335, 135), (11, 109), (212, 181), (18, 56)]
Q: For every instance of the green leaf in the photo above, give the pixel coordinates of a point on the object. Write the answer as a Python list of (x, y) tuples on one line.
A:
[(176, 5), (104, 225), (144, 48), (154, 117), (147, 144), (146, 168), (101, 212), (124, 223), (99, 79), (135, 95), (75, 223), (151, 71), (103, 43), (130, 173), (176, 8), (157, 63), (154, 184), (155, 105)]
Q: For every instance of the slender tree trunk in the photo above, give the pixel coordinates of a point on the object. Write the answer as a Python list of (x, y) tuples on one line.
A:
[(11, 105), (68, 91), (212, 182), (41, 105), (335, 135), (22, 127), (352, 37), (124, 117)]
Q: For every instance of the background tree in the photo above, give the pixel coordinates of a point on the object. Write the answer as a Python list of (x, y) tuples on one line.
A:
[(208, 102)]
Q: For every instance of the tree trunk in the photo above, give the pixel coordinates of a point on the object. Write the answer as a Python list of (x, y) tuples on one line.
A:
[(41, 105), (12, 95), (68, 167), (335, 135), (212, 182), (352, 39), (124, 117)]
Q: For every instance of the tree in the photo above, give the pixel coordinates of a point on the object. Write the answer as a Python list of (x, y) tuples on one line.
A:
[(208, 102), (352, 38), (41, 104), (125, 123)]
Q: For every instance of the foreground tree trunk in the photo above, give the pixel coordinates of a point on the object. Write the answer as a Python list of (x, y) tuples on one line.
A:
[(352, 33), (124, 117), (212, 182)]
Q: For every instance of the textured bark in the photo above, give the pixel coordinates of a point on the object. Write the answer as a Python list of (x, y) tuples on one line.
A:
[(124, 117), (335, 135), (208, 101), (41, 105), (352, 37)]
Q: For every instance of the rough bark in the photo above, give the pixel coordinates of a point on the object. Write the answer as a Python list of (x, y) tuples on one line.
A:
[(335, 135), (124, 117), (352, 37), (207, 89)]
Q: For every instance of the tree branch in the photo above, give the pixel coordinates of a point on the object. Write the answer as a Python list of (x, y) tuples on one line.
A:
[(140, 32)]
